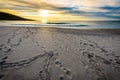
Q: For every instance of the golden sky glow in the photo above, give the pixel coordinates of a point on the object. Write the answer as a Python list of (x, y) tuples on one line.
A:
[(55, 10)]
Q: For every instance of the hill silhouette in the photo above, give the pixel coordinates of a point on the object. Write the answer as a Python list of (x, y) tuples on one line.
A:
[(7, 16)]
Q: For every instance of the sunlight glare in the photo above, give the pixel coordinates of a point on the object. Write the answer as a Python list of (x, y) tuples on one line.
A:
[(44, 21), (43, 13)]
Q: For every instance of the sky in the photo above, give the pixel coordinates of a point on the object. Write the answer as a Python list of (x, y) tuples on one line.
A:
[(61, 10)]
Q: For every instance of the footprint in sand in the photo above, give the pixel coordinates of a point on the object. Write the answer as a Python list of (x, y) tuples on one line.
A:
[(8, 41), (58, 63), (67, 72), (1, 45), (62, 77), (4, 58), (8, 50)]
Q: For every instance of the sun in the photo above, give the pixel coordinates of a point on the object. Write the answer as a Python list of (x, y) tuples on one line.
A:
[(47, 15), (43, 13)]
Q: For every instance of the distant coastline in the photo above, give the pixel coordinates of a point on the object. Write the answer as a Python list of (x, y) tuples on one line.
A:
[(7, 16)]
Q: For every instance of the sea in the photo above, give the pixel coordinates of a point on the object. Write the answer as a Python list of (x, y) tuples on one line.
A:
[(71, 25)]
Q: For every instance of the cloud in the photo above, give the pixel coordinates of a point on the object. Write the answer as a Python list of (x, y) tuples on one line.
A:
[(25, 4), (112, 11), (111, 7), (97, 8)]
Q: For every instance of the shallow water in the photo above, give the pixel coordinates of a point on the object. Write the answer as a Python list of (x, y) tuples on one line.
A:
[(76, 25)]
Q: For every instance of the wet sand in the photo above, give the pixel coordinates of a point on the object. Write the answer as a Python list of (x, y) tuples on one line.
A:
[(59, 54)]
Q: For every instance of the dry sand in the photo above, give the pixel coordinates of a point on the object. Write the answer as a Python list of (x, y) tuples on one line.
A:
[(59, 54)]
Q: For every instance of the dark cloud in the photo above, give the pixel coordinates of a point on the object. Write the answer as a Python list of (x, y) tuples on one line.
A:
[(112, 12), (68, 8), (65, 8), (111, 7), (71, 10)]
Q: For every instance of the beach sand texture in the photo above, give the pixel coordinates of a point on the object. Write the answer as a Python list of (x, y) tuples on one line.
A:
[(59, 54)]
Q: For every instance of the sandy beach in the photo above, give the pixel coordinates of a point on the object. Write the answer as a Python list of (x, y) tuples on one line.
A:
[(59, 54)]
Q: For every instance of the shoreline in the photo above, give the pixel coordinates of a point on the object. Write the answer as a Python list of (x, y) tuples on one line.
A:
[(117, 30)]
